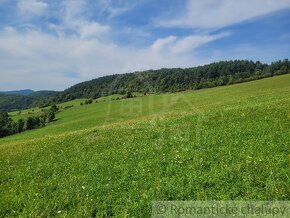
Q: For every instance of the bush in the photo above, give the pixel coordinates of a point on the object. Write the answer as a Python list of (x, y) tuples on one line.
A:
[(50, 116), (54, 108), (20, 125), (5, 124), (43, 118), (32, 123), (129, 95), (89, 101)]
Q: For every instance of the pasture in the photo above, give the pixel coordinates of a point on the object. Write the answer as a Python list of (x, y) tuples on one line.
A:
[(114, 157)]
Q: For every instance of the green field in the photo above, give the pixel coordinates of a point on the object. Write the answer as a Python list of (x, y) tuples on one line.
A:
[(23, 114), (114, 157)]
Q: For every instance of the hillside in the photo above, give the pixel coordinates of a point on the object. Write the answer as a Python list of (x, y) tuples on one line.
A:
[(13, 102), (153, 82), (9, 102), (114, 157), (176, 79)]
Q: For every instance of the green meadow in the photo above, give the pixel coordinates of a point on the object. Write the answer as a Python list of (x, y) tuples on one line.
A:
[(114, 157)]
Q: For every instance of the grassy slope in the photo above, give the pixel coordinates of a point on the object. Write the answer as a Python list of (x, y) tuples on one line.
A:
[(115, 157), (37, 111)]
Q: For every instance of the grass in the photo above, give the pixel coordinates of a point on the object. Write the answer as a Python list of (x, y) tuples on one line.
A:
[(37, 111), (113, 158)]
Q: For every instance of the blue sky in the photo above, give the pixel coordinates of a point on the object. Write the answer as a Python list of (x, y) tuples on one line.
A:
[(47, 44)]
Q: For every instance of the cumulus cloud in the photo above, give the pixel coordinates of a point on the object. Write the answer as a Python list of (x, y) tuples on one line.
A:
[(186, 44), (32, 7), (78, 47), (74, 20), (117, 7), (91, 29), (217, 14), (160, 44), (46, 57)]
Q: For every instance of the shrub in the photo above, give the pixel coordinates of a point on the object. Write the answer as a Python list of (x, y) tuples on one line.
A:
[(50, 116), (54, 108), (20, 125), (129, 95), (32, 123), (89, 101), (4, 124)]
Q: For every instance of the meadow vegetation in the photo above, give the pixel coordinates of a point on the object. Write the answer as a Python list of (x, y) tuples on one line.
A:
[(114, 157)]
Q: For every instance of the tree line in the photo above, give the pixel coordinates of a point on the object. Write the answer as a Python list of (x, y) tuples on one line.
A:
[(11, 102), (10, 127), (174, 80), (155, 82)]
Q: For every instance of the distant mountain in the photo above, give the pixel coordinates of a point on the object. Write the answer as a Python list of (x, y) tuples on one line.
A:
[(40, 94), (13, 100), (18, 92), (10, 102)]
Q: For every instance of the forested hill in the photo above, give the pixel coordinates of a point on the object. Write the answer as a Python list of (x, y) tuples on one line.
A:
[(174, 80), (10, 102), (152, 81)]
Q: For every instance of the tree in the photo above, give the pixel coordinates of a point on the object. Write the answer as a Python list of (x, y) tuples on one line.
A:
[(129, 95), (32, 123), (43, 118), (20, 125), (12, 128), (89, 101), (36, 122), (54, 108), (4, 118), (50, 116), (5, 122), (29, 123)]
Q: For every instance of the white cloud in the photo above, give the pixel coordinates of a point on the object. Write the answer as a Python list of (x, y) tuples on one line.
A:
[(91, 29), (186, 44), (115, 8), (73, 19), (81, 48), (73, 9), (160, 44), (32, 7), (220, 13), (43, 59)]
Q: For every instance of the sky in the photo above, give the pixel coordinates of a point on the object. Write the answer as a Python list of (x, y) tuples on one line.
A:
[(54, 44)]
